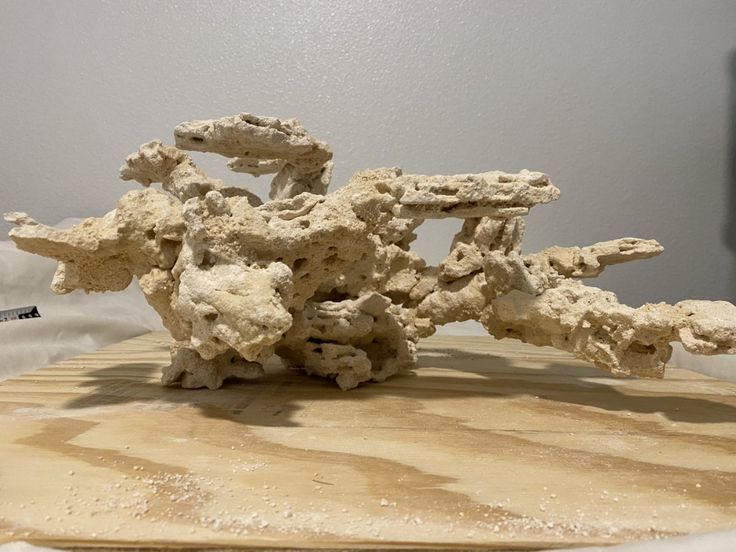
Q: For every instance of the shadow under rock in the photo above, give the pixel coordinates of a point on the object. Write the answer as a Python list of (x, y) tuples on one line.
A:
[(575, 384), (275, 399)]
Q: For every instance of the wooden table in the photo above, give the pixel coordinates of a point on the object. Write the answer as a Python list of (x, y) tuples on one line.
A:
[(486, 444)]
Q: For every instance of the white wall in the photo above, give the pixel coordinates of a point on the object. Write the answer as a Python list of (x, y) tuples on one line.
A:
[(629, 106)]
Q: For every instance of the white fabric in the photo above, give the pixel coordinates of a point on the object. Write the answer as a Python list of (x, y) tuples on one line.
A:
[(717, 541), (70, 324), (22, 546), (718, 366)]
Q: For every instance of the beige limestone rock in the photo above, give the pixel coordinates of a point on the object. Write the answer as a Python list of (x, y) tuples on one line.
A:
[(328, 282)]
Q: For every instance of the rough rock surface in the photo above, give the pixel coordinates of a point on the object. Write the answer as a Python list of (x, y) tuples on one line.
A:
[(328, 281)]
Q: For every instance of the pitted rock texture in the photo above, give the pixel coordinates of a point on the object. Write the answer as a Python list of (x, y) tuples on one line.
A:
[(328, 282)]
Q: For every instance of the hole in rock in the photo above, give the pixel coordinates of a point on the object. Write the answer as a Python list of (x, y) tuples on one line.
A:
[(641, 348), (434, 238)]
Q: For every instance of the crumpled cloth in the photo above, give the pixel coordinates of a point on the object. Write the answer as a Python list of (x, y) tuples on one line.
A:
[(22, 546), (716, 541), (70, 324)]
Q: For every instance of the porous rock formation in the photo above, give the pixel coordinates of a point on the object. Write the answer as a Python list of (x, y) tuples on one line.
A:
[(328, 281)]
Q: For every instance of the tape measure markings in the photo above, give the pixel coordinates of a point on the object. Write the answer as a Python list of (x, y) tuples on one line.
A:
[(19, 314)]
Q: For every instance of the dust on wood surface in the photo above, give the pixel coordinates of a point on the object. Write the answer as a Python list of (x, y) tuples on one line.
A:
[(486, 444)]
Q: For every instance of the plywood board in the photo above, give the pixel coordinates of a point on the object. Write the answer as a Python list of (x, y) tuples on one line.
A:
[(486, 443)]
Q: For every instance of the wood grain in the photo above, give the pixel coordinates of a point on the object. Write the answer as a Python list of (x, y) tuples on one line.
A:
[(486, 444)]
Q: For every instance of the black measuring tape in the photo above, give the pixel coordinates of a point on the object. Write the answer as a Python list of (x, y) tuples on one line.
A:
[(19, 313)]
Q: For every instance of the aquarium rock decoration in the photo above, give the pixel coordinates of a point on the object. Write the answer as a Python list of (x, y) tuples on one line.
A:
[(328, 282)]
